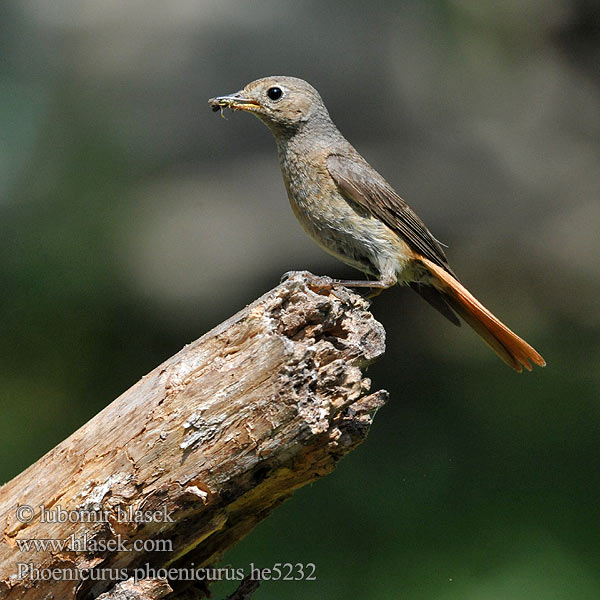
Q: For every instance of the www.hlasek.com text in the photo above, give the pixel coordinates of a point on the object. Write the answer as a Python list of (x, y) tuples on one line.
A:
[(85, 543)]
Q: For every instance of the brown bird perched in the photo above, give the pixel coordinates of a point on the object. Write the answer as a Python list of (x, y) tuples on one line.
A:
[(352, 212)]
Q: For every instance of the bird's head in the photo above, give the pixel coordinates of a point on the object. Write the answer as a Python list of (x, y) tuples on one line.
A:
[(282, 103)]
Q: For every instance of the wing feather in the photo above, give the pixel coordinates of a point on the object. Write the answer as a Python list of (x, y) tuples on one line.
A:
[(361, 183)]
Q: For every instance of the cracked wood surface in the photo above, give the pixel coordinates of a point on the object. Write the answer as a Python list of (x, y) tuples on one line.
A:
[(213, 439), (146, 589)]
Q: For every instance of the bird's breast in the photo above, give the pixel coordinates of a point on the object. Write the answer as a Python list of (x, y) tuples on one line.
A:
[(340, 226)]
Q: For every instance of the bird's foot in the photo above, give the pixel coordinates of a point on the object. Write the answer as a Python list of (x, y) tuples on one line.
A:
[(315, 282), (320, 283)]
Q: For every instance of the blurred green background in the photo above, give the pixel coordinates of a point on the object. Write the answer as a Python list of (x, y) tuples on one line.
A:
[(133, 220)]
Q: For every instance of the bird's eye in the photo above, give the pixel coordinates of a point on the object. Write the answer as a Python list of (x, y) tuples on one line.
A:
[(274, 93)]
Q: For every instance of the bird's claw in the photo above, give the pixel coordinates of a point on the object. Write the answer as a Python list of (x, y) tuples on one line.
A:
[(315, 282)]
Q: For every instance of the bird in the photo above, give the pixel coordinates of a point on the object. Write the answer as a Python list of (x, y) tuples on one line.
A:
[(353, 213)]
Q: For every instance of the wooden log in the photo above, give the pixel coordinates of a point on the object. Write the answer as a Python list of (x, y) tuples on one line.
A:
[(145, 589), (187, 461)]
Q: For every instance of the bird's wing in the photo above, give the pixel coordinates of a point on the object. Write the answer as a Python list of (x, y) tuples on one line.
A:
[(362, 184)]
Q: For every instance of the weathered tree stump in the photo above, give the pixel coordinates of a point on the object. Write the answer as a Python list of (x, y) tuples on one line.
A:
[(197, 452)]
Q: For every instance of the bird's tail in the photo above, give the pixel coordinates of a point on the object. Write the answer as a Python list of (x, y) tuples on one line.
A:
[(513, 350)]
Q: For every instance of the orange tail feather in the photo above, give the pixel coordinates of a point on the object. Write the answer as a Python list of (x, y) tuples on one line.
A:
[(513, 350)]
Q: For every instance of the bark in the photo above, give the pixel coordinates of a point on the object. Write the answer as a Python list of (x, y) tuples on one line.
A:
[(145, 589), (197, 452)]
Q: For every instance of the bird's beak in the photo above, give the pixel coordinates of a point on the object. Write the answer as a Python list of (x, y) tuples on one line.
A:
[(234, 102)]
